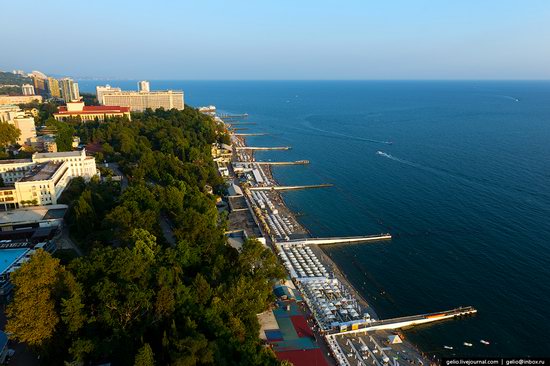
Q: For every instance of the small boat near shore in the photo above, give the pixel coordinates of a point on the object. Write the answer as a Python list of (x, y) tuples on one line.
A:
[(485, 342), (448, 347), (468, 344)]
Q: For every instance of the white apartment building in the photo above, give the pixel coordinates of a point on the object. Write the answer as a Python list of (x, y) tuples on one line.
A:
[(100, 90), (144, 86), (75, 91), (139, 101), (69, 90), (27, 89)]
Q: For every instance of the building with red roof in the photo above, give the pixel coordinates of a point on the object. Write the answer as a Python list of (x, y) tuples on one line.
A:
[(90, 113)]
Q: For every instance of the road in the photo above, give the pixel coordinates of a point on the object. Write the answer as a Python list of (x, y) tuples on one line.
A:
[(117, 172), (167, 231)]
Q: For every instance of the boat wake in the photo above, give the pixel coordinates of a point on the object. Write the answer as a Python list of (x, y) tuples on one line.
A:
[(350, 137), (507, 97), (463, 179), (410, 163)]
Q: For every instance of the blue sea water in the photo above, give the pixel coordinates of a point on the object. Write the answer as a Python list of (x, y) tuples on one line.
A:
[(464, 188)]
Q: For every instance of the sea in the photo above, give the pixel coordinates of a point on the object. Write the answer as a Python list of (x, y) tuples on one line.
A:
[(457, 171)]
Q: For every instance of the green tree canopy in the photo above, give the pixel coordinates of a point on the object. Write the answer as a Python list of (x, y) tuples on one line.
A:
[(39, 284), (134, 298), (8, 134)]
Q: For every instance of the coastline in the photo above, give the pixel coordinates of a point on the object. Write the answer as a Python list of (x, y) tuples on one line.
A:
[(339, 274), (323, 255), (336, 272)]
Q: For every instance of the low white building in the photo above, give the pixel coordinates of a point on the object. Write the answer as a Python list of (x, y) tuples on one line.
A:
[(42, 179), (80, 165), (43, 184)]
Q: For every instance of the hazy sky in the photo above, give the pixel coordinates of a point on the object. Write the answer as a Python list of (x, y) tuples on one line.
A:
[(283, 39)]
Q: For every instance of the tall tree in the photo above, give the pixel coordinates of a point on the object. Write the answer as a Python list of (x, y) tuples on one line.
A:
[(32, 315), (64, 133), (145, 356), (8, 134)]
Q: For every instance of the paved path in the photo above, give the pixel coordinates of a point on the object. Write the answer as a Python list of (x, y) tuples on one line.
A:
[(64, 241), (167, 231)]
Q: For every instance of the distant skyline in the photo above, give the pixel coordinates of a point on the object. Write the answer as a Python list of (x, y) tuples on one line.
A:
[(263, 40)]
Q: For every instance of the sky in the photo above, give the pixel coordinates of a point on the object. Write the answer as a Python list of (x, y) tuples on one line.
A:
[(281, 40)]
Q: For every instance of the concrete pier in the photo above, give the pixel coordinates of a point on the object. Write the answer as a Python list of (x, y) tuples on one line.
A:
[(251, 134), (290, 188), (262, 148), (298, 162), (339, 240), (233, 116), (410, 321)]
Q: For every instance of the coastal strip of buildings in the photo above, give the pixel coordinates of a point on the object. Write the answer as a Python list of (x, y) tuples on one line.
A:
[(66, 89), (42, 87), (337, 314)]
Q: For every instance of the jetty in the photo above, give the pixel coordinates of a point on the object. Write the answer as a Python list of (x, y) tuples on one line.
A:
[(233, 116), (290, 188), (239, 129), (339, 240), (262, 148), (410, 321), (241, 123), (298, 162), (250, 134)]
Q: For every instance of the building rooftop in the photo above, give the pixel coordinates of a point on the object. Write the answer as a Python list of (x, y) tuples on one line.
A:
[(61, 154), (16, 161), (42, 172), (123, 92), (30, 214)]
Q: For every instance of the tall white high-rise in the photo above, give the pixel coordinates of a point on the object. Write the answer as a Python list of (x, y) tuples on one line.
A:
[(69, 90), (75, 92), (143, 86)]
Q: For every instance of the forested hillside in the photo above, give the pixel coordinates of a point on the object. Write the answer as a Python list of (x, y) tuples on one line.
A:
[(133, 298)]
